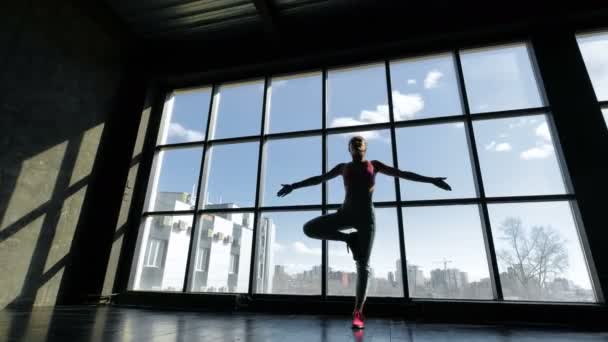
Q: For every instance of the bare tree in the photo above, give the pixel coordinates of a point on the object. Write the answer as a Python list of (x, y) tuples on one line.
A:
[(535, 256)]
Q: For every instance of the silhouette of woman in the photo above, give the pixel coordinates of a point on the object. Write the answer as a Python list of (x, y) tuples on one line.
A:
[(357, 211)]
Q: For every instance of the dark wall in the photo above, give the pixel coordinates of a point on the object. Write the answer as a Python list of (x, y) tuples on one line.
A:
[(61, 73)]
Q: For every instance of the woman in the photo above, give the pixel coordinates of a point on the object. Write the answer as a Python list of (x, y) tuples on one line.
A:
[(357, 211)]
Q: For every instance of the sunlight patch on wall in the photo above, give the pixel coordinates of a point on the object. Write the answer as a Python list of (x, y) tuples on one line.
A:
[(87, 153), (35, 183)]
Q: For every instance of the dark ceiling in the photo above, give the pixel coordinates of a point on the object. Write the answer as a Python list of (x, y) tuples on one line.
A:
[(183, 36), (216, 19), (176, 19)]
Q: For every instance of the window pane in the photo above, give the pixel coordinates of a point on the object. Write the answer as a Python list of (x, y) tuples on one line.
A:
[(176, 179), (594, 48), (288, 262), (239, 110), (517, 157), (500, 78), (186, 116), (357, 96), (202, 259), (289, 161), (232, 175), (425, 87), (163, 253), (446, 253), (385, 279), (539, 252), (435, 151), (379, 148), (223, 246), (295, 104)]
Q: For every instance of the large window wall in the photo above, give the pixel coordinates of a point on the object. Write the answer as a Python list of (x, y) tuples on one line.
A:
[(509, 229)]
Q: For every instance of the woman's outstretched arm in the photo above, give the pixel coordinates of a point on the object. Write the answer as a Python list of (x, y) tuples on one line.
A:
[(287, 188), (391, 171)]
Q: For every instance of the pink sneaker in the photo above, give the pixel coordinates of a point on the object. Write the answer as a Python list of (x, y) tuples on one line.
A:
[(358, 320)]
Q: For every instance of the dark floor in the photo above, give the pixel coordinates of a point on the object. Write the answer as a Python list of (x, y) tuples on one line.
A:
[(130, 324)]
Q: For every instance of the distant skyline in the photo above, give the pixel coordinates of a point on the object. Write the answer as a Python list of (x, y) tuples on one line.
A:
[(517, 155)]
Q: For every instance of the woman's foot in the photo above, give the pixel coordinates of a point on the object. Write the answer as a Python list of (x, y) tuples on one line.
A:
[(358, 320)]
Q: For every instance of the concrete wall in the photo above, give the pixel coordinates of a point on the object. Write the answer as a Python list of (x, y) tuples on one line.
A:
[(60, 72)]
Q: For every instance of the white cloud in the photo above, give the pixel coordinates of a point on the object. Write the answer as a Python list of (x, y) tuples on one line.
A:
[(296, 268), (432, 79), (178, 131), (459, 125), (503, 135), (503, 147), (374, 116), (301, 248), (368, 135), (539, 152), (498, 147), (345, 121), (543, 131), (406, 105), (412, 81), (279, 84), (277, 247), (405, 108), (543, 148)]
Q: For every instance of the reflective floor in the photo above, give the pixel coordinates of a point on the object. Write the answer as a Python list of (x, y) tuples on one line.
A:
[(127, 324)]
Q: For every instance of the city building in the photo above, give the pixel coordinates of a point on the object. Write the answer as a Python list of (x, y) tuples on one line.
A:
[(223, 249)]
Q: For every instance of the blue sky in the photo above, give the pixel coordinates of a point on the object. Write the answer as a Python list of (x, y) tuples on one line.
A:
[(517, 155), (594, 48)]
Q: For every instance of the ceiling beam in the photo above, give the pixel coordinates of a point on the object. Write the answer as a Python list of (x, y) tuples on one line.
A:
[(269, 16)]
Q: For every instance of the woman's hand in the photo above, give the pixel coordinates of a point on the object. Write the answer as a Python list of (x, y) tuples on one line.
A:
[(440, 183), (287, 188)]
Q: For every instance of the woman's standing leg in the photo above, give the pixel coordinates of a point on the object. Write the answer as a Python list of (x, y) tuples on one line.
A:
[(365, 240)]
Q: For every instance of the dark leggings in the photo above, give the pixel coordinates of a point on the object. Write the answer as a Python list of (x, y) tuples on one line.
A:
[(328, 227)]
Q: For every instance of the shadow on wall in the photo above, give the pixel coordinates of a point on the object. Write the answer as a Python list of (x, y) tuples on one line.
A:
[(62, 89)]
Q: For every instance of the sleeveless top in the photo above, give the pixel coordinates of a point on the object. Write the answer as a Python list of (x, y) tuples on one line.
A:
[(359, 175), (359, 180)]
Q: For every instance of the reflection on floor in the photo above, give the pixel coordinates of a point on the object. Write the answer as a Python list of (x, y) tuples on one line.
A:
[(130, 324)]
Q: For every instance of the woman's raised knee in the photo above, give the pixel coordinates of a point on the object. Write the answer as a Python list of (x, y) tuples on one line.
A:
[(309, 228)]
